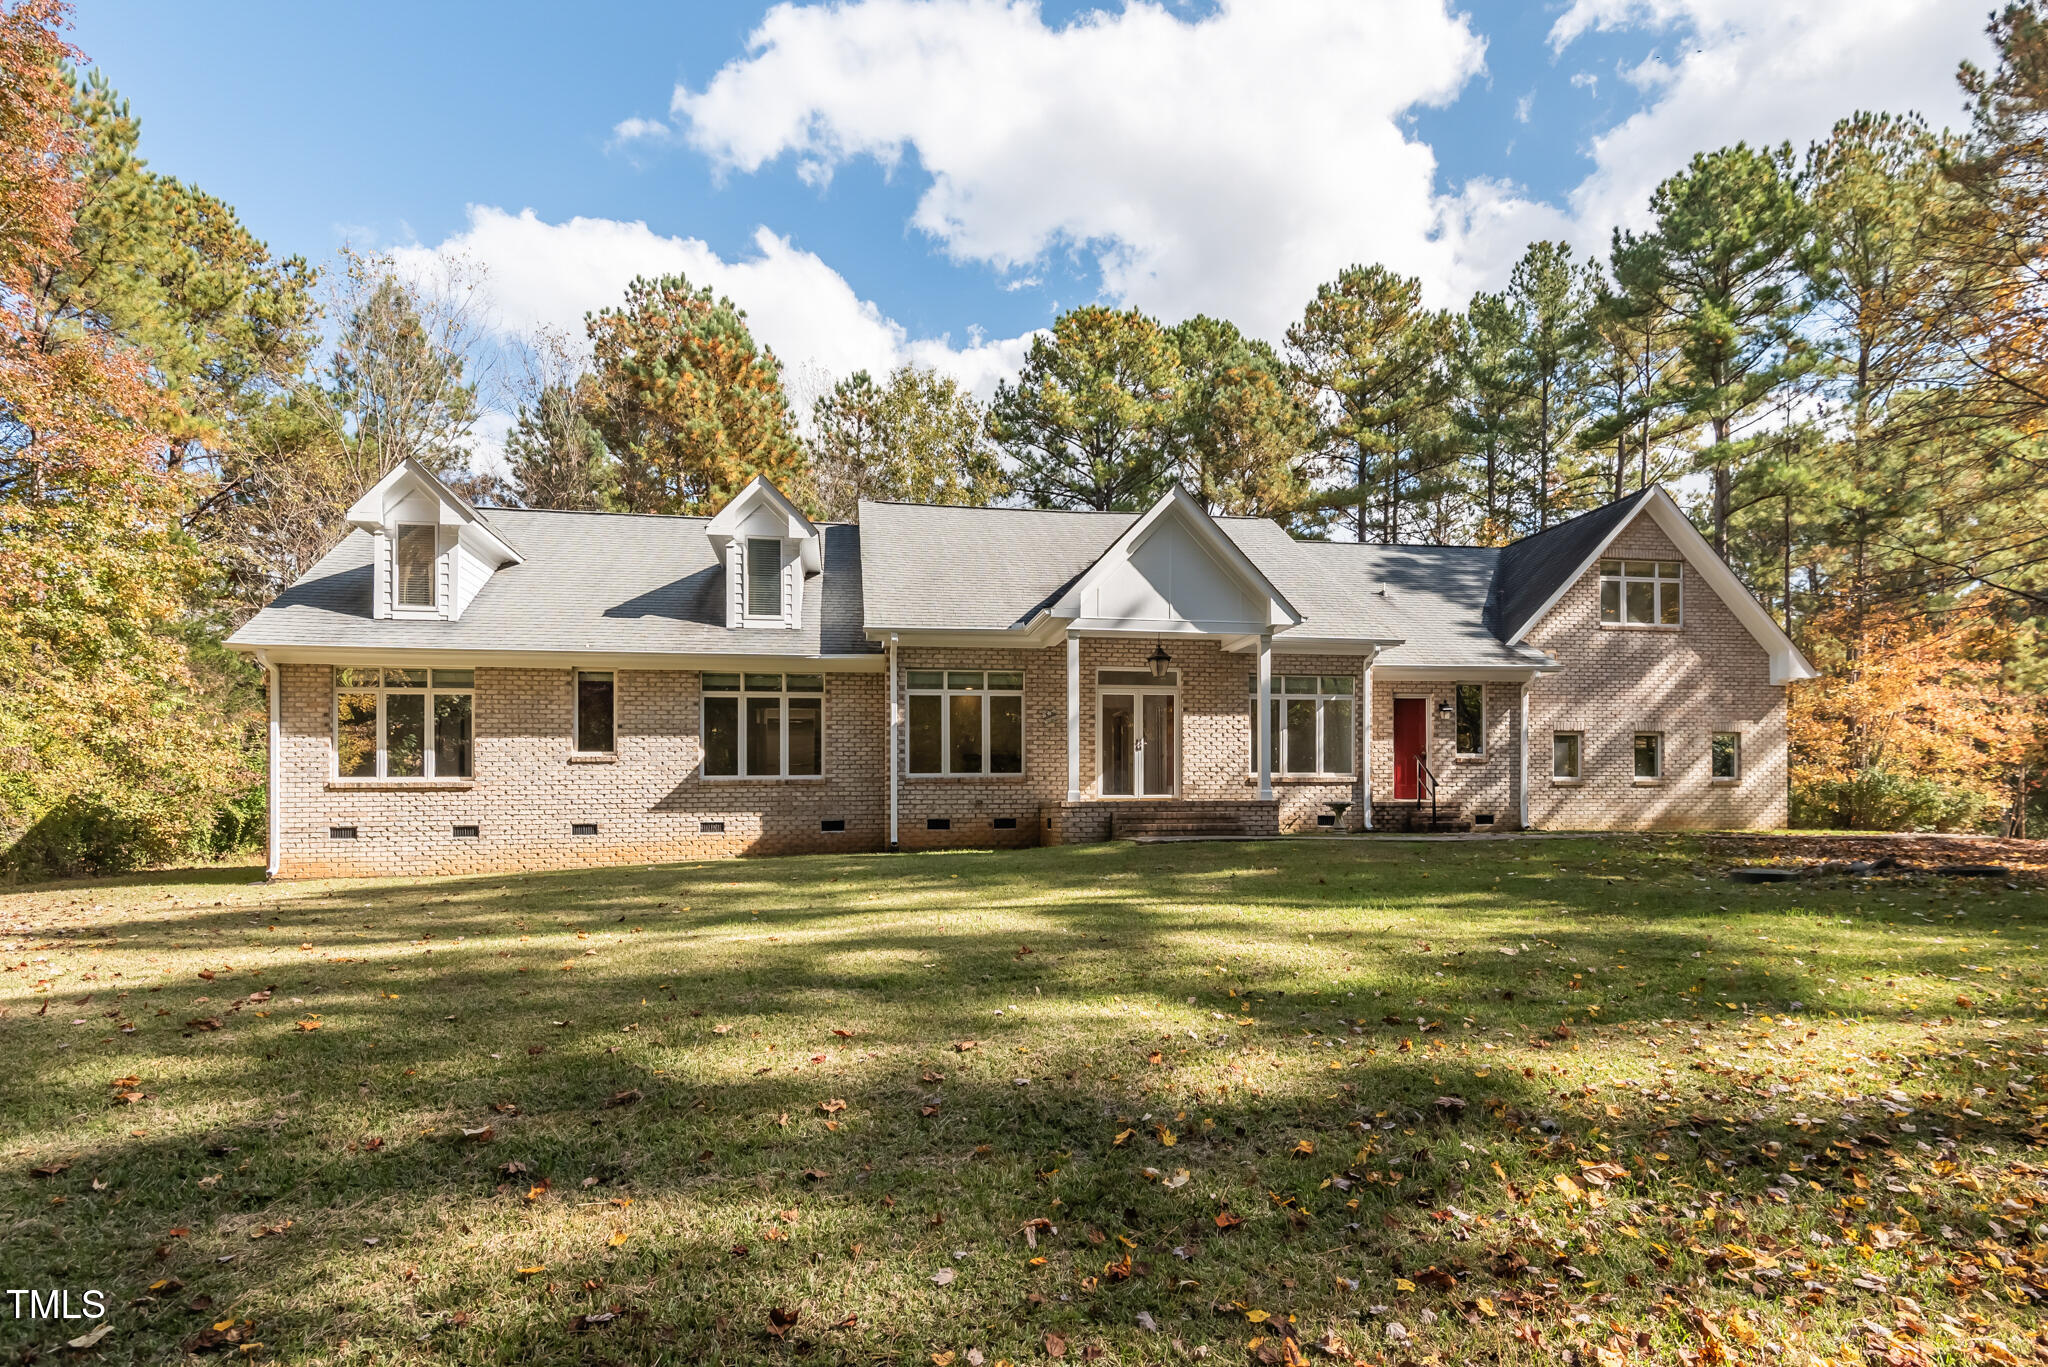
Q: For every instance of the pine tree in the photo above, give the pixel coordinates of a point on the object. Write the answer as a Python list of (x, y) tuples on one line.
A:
[(687, 402), (1379, 361), (1728, 251), (920, 438), (1089, 421), (1243, 432)]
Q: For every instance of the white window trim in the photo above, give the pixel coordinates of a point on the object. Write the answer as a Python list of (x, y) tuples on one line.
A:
[(782, 697), (1281, 696), (1573, 780), (431, 608), (1136, 692), (1735, 779), (576, 715), (1468, 756), (380, 688), (1623, 578), (945, 769), (1640, 780)]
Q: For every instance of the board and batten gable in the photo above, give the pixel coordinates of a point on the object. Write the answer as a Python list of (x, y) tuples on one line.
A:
[(1709, 674)]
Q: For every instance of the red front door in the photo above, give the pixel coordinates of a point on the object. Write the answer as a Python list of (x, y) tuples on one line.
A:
[(1411, 733)]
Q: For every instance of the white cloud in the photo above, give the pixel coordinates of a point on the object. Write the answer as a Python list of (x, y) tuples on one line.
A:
[(1231, 162), (1228, 163), (541, 274), (639, 130), (1764, 72)]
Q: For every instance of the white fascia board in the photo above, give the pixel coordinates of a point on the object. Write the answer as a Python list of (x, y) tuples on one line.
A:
[(1787, 664), (1036, 635), (1281, 613), (1461, 673), (569, 659), (1155, 626), (1294, 644)]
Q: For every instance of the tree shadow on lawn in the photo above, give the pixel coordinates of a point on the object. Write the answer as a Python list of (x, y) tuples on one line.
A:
[(711, 1152)]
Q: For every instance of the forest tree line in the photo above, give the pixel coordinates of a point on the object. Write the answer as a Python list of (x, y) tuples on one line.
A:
[(1836, 356)]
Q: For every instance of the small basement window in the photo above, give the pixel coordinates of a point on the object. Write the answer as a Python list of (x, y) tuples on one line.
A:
[(467, 832), (341, 833), (1482, 818), (711, 828), (938, 823), (833, 824), (583, 828), (1004, 823)]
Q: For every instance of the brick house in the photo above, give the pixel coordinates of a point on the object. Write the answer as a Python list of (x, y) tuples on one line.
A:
[(454, 690)]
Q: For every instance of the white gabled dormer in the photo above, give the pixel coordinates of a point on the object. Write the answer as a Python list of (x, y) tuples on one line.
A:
[(430, 551), (767, 547)]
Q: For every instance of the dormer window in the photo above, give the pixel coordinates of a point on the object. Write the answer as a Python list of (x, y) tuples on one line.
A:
[(416, 565), (430, 552), (764, 577), (767, 547)]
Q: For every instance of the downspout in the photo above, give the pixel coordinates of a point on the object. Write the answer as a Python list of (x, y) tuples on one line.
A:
[(1524, 784), (273, 845), (895, 741)]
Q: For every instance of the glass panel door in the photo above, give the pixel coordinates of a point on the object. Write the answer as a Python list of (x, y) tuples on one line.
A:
[(1119, 745), (1160, 734)]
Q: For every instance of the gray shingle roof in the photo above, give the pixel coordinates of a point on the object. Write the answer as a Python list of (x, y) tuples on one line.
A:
[(960, 569), (622, 584), (609, 582)]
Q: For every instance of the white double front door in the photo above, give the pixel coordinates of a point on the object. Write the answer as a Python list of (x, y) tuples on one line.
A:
[(1140, 732)]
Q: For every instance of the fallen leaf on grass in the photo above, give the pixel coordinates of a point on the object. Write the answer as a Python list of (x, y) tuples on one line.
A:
[(49, 1169), (781, 1321), (1226, 1220), (584, 1323), (91, 1337), (617, 1238), (843, 1034), (310, 1023), (204, 1023), (964, 1045), (832, 1107), (1055, 1346), (533, 1271), (943, 1277)]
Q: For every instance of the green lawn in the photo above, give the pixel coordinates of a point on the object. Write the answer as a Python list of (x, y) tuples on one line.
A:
[(1424, 1102)]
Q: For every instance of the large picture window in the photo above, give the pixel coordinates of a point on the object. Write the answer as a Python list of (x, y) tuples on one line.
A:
[(764, 725), (1313, 723), (403, 723), (1640, 593), (966, 721)]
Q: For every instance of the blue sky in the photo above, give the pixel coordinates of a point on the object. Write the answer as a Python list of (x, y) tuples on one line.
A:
[(936, 178)]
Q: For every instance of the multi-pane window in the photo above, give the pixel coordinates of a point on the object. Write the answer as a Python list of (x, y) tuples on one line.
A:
[(1565, 755), (596, 712), (1727, 756), (403, 723), (966, 721), (415, 565), (1649, 752), (1471, 720), (764, 577), (764, 725), (1640, 593), (1312, 718)]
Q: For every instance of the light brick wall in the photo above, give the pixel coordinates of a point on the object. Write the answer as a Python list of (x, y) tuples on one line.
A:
[(1486, 785), (648, 804), (1708, 675)]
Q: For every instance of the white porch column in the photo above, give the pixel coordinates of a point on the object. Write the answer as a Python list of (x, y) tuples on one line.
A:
[(1523, 772), (1365, 751), (1073, 718), (895, 740), (1266, 716), (272, 799)]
